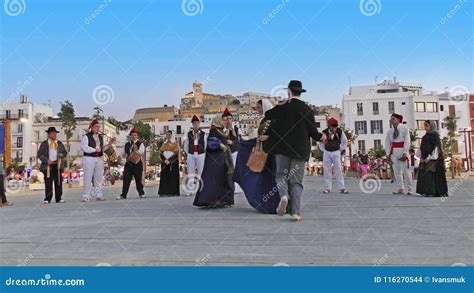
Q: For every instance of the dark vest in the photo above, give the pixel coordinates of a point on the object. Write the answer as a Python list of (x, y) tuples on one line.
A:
[(235, 140), (335, 143), (128, 146), (200, 142), (93, 145)]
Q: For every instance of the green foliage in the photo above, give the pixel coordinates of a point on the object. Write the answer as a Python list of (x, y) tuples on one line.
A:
[(376, 153), (68, 118), (317, 154)]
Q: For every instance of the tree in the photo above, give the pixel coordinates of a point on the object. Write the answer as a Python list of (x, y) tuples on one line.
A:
[(376, 153), (118, 124), (413, 138), (351, 137), (451, 125), (317, 154), (68, 118)]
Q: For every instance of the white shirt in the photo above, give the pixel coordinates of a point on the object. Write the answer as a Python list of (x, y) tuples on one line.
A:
[(403, 136), (85, 144), (53, 154)]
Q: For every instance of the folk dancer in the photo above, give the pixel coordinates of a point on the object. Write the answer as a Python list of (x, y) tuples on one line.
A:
[(134, 165), (195, 147), (332, 150), (92, 145), (397, 144), (52, 154)]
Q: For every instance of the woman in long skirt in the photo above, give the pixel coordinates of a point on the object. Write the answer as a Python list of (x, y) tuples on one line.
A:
[(431, 171), (169, 176), (259, 188), (217, 187)]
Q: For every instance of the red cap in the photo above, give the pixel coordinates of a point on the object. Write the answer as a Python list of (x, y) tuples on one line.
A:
[(93, 123), (332, 122), (398, 116), (226, 113), (195, 118), (134, 130)]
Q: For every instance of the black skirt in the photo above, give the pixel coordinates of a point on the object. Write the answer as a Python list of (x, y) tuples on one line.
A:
[(169, 179), (431, 183), (217, 187)]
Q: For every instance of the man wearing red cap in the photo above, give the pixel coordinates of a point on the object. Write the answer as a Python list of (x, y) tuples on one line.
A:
[(133, 167), (397, 145), (93, 163), (232, 133), (195, 147), (333, 148)]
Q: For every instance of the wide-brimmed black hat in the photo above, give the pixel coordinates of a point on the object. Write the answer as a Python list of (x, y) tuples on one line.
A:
[(52, 129), (297, 86)]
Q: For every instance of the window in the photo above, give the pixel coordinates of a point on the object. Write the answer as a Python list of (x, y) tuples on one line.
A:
[(420, 124), (419, 107), (360, 109), (376, 126), (391, 107), (375, 108), (8, 114), (431, 107), (361, 127), (441, 107), (20, 113), (403, 103), (19, 142), (318, 124), (377, 143), (361, 145), (178, 129), (20, 127)]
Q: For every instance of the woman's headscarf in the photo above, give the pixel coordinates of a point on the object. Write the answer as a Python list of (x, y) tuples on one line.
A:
[(433, 126), (266, 105), (217, 121)]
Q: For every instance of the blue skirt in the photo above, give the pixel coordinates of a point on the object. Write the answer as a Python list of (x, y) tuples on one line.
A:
[(259, 188)]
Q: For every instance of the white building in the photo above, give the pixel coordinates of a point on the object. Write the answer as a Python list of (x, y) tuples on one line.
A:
[(367, 110), (23, 115)]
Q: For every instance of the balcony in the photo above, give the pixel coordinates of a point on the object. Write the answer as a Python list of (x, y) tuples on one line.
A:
[(4, 116)]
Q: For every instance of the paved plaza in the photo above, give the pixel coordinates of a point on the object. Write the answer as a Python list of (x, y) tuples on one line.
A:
[(370, 226)]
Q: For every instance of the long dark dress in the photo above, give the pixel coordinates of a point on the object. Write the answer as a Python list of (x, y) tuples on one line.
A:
[(169, 177), (259, 188), (217, 187), (432, 183)]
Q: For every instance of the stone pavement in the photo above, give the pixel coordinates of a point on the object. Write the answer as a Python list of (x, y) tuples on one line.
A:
[(370, 226)]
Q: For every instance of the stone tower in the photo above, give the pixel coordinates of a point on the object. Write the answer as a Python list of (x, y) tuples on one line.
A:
[(197, 92)]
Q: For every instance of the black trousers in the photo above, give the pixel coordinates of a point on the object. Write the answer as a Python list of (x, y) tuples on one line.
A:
[(135, 171), (2, 188), (56, 180)]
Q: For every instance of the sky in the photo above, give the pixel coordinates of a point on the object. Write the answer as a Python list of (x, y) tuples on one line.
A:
[(123, 55)]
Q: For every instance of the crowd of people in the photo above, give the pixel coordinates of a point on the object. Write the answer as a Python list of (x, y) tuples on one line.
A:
[(268, 166)]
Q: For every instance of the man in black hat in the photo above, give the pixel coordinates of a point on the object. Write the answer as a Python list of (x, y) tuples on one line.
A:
[(293, 125), (51, 153)]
